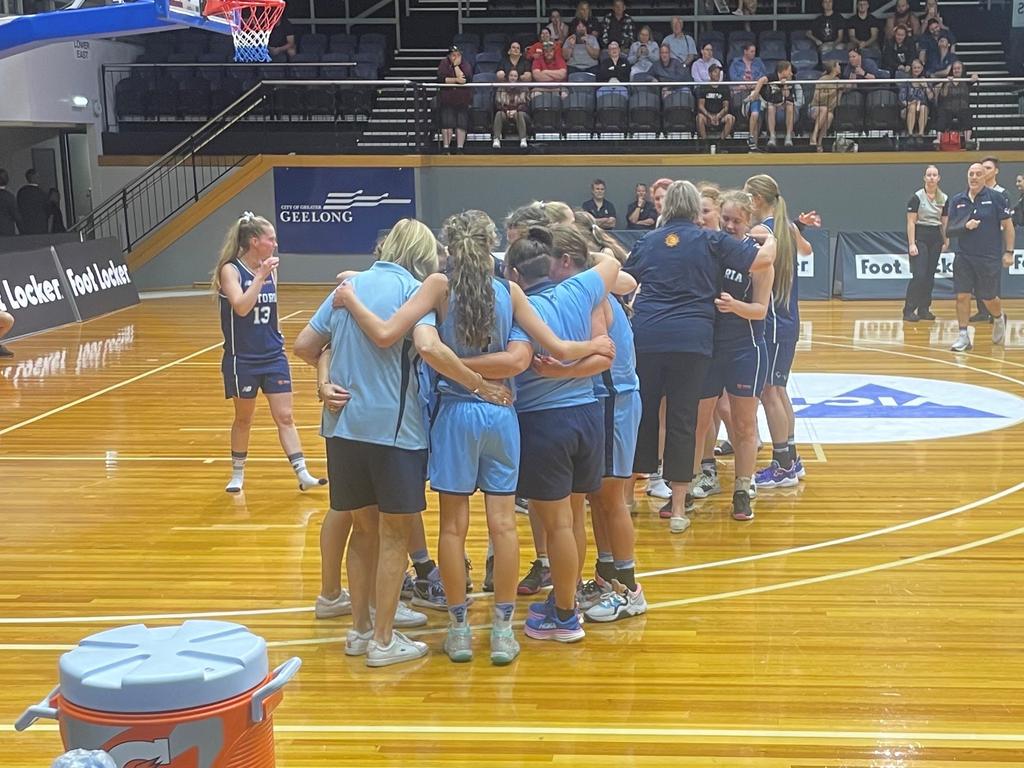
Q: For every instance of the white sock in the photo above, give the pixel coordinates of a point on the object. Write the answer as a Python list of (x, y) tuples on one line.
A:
[(544, 561), (306, 480), (237, 472)]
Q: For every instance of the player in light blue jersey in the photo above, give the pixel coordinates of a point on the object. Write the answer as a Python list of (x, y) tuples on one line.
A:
[(245, 281), (377, 443), (474, 445), (560, 421)]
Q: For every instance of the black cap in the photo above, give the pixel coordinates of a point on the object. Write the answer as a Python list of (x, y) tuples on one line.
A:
[(454, 49)]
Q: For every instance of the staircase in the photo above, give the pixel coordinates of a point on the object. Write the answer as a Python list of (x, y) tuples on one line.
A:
[(997, 119), (391, 122)]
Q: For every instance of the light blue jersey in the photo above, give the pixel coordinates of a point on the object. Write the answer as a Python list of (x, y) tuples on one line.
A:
[(385, 407), (566, 308), (621, 377)]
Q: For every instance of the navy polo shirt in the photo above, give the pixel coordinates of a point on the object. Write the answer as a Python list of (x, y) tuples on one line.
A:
[(606, 209), (990, 208), (679, 268)]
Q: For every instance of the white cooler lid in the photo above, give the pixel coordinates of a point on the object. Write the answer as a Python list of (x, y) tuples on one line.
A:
[(140, 669)]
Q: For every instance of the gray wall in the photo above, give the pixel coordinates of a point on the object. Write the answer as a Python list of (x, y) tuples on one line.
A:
[(849, 197)]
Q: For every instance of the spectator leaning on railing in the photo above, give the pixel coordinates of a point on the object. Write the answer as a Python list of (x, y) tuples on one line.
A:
[(454, 102), (581, 50), (682, 46), (824, 102), (618, 26), (828, 29), (510, 105), (700, 67)]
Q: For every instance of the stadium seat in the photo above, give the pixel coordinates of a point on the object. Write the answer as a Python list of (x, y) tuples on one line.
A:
[(839, 56), (313, 43), (367, 66), (496, 41), (288, 102), (805, 59), (580, 108), (481, 109), (487, 62), (546, 111), (467, 39), (129, 97), (882, 111), (773, 50), (342, 42), (319, 102), (677, 111), (304, 73), (850, 113), (369, 40), (772, 36), (612, 113), (164, 99), (195, 97), (583, 77), (228, 90), (336, 72), (644, 110)]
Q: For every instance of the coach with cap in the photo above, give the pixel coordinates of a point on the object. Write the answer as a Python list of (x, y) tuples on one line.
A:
[(980, 219)]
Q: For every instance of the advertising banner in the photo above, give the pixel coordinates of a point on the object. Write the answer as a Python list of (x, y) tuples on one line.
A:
[(339, 210), (32, 290), (97, 276)]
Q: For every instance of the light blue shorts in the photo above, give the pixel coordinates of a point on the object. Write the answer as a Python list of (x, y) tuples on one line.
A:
[(621, 422), (473, 445)]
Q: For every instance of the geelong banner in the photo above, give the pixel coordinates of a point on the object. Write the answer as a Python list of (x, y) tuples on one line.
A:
[(339, 210), (875, 265)]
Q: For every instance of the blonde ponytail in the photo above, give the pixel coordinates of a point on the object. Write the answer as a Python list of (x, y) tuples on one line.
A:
[(236, 242), (767, 189)]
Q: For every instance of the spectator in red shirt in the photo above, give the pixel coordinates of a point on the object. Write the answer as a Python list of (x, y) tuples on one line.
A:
[(549, 67), (535, 51)]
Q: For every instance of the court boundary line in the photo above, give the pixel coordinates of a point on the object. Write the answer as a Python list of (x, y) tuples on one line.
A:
[(116, 386)]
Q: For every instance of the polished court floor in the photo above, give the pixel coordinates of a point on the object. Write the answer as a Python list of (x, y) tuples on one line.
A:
[(873, 616)]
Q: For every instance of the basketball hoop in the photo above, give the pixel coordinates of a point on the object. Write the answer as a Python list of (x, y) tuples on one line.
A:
[(251, 23)]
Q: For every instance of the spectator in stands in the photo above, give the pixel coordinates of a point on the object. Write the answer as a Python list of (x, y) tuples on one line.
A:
[(510, 106), (954, 103), (614, 68), (535, 51), (1018, 209), (581, 50), (514, 59), (931, 11), (602, 210), (454, 102), (682, 46), (862, 28), (858, 67), (641, 213), (282, 39), (699, 70), (558, 29), (824, 102), (669, 70), (583, 14), (899, 51), (550, 67), (746, 8), (713, 105), (916, 98), (54, 215), (937, 63), (828, 29), (10, 216), (748, 68), (643, 53), (618, 26), (780, 100), (928, 44), (32, 205), (902, 17)]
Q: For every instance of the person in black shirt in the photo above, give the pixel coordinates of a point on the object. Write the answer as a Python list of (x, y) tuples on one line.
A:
[(618, 26), (828, 29), (282, 39), (778, 94), (32, 205), (54, 215), (713, 106), (602, 210), (515, 59), (1018, 209), (615, 68), (862, 27), (899, 51), (641, 213), (10, 216)]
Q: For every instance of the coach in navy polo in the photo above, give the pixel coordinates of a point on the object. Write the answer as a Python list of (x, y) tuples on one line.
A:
[(980, 219), (598, 207)]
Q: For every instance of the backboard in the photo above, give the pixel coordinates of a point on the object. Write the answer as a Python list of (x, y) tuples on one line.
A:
[(187, 12)]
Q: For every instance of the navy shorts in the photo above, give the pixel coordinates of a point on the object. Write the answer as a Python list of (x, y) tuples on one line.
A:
[(367, 474), (979, 275), (245, 380), (780, 361), (562, 452), (740, 372)]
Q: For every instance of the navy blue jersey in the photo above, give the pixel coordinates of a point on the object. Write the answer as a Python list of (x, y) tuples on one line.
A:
[(733, 332), (254, 337), (990, 208)]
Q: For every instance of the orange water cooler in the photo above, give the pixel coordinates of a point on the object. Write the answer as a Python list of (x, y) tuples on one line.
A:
[(197, 695)]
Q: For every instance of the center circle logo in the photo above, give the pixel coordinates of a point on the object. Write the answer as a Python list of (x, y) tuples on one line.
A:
[(843, 408)]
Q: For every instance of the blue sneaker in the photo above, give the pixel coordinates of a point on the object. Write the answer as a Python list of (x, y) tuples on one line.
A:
[(799, 467), (774, 476), (548, 627), (429, 592), (408, 586), (545, 607)]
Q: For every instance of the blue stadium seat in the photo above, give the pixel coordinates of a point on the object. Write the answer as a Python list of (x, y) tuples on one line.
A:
[(313, 43), (487, 62)]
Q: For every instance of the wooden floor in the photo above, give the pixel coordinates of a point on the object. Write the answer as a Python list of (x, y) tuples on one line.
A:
[(872, 617)]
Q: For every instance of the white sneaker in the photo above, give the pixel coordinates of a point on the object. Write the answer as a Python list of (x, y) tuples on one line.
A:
[(963, 342), (522, 144), (405, 617), (678, 524), (357, 643), (496, 143), (753, 489), (999, 330), (707, 485), (400, 649), (329, 609), (658, 488), (618, 605)]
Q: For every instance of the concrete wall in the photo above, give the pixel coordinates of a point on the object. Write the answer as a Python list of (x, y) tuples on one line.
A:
[(849, 197)]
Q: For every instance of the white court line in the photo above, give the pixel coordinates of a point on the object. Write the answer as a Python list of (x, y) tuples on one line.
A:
[(252, 429), (119, 458), (113, 387)]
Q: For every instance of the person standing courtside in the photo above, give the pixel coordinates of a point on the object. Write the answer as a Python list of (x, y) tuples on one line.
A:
[(10, 216), (598, 207), (980, 219), (33, 205), (927, 216)]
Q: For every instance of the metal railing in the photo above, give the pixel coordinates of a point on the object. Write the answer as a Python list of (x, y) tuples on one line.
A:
[(193, 166)]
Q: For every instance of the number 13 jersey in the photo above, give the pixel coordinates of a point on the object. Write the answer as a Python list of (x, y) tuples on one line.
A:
[(254, 337)]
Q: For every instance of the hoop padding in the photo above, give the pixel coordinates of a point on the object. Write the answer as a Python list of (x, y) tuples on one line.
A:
[(251, 23)]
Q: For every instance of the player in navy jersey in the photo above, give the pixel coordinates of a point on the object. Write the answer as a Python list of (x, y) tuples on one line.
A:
[(782, 328), (245, 281)]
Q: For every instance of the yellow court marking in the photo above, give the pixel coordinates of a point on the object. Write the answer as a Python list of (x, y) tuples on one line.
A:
[(819, 453)]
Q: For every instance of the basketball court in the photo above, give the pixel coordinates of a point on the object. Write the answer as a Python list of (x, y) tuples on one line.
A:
[(868, 617)]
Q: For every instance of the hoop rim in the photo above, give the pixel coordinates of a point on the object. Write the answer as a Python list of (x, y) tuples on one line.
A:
[(223, 7)]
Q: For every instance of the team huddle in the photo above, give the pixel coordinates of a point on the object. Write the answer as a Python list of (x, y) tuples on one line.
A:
[(551, 378)]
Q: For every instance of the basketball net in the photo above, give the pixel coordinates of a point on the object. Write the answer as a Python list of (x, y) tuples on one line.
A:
[(251, 23)]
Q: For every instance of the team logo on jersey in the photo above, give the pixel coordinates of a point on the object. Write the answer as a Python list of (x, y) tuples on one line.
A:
[(840, 408), (672, 240)]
